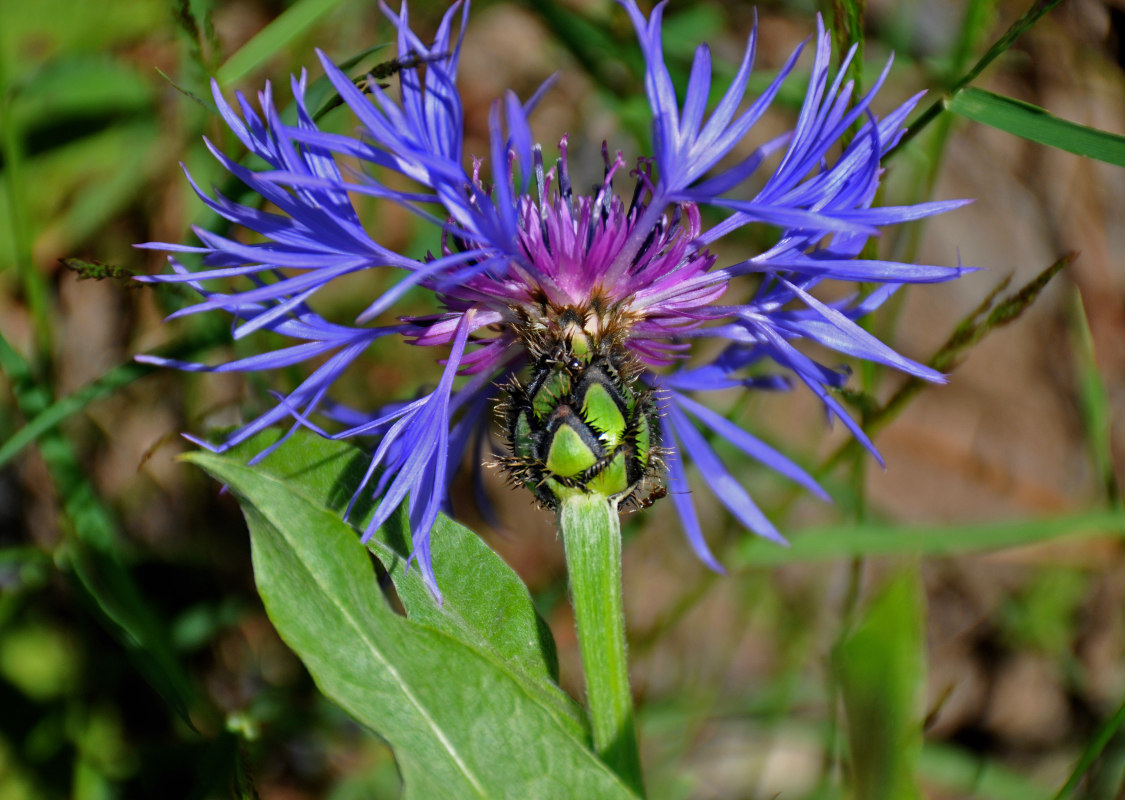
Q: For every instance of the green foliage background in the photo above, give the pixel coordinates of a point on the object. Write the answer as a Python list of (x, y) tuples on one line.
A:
[(951, 628)]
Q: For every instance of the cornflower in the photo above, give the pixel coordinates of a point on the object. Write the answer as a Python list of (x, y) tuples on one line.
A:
[(579, 308)]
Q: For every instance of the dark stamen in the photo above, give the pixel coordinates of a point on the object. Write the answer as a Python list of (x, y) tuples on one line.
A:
[(635, 203), (677, 215), (642, 253), (540, 184), (537, 156), (565, 189)]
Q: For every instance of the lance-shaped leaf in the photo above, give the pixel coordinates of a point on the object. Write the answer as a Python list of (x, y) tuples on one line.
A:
[(485, 604), (461, 721), (1037, 125)]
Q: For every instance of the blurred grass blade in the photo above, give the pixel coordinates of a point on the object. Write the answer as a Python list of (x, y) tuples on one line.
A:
[(964, 772), (1094, 398), (1018, 28), (589, 42), (884, 540), (66, 407), (1090, 754), (92, 552), (974, 26), (880, 667), (1037, 125), (272, 39), (200, 34), (1036, 12), (19, 228), (116, 378), (973, 29)]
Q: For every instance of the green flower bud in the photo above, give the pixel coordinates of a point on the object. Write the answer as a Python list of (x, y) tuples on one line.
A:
[(582, 424)]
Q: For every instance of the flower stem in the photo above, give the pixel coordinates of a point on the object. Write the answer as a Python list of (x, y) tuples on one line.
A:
[(592, 537)]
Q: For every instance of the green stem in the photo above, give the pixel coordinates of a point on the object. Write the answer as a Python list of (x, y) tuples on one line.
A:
[(592, 537)]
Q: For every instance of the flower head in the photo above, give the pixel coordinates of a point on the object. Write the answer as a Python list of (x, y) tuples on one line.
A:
[(598, 295)]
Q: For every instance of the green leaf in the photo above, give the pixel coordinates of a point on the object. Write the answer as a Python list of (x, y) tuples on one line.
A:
[(880, 667), (1037, 125), (461, 721), (273, 38), (485, 604)]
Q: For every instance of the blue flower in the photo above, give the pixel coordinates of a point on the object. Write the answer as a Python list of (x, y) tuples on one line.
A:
[(523, 244)]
